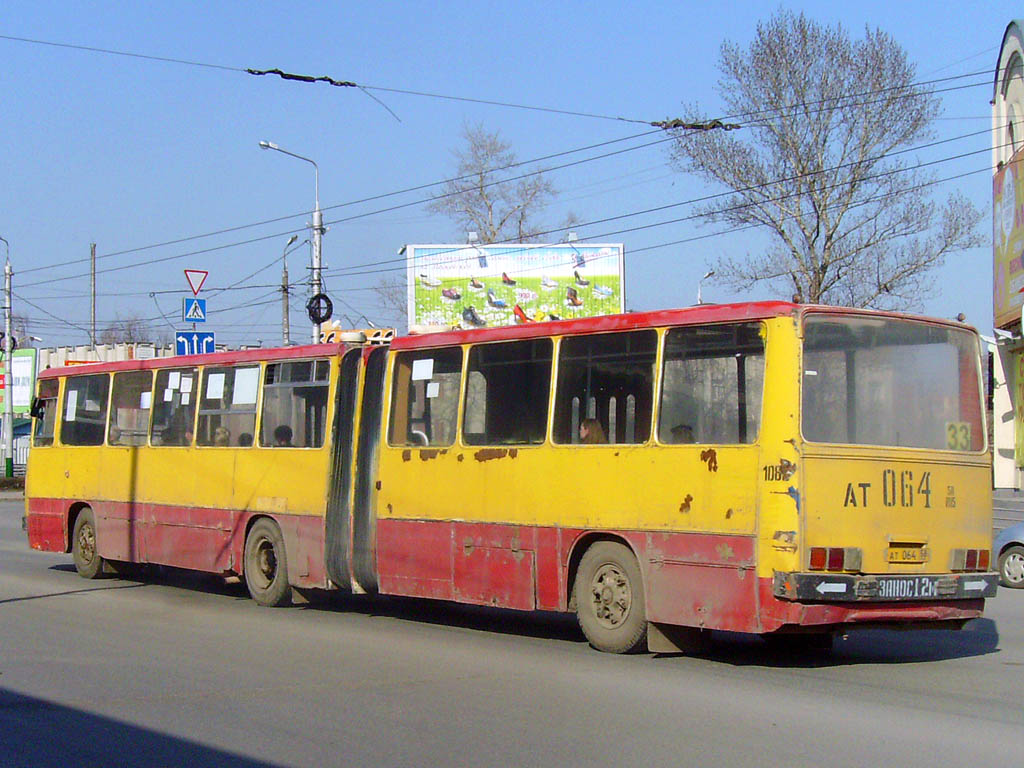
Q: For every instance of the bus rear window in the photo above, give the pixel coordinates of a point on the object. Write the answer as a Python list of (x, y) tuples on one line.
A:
[(46, 408), (876, 381)]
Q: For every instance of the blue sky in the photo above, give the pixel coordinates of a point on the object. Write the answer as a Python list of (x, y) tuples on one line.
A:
[(129, 152)]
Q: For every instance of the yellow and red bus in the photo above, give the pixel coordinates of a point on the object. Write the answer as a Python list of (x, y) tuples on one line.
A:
[(766, 468)]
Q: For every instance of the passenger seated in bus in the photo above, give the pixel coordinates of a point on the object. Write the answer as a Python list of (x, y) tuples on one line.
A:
[(683, 433), (245, 439), (221, 436), (283, 436), (591, 432)]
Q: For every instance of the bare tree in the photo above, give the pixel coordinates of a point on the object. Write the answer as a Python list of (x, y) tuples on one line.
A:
[(851, 221), (393, 295), (477, 200), (127, 330)]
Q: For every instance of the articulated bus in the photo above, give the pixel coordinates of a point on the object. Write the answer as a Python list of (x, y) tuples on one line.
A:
[(770, 468)]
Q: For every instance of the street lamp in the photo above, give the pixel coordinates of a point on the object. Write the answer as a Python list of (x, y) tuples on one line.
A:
[(707, 274), (318, 223)]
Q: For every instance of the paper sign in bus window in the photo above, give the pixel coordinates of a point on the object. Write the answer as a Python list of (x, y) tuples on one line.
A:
[(174, 379), (433, 389), (72, 405), (215, 386), (145, 399), (423, 370), (247, 384), (185, 397), (168, 395), (186, 383)]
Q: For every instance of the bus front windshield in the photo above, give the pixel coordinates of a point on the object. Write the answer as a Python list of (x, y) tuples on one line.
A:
[(891, 382)]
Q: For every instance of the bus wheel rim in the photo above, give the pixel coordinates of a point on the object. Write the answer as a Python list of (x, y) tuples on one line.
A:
[(266, 561), (611, 596), (87, 543)]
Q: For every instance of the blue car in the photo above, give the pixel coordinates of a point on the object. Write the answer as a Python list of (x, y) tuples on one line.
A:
[(1008, 547)]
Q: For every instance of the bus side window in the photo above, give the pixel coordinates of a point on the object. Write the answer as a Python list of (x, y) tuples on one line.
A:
[(174, 406), (425, 397), (294, 405), (507, 393), (130, 403), (608, 377), (227, 408), (712, 384), (84, 414), (45, 412)]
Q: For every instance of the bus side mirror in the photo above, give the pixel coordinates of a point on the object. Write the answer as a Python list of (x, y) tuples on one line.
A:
[(38, 409)]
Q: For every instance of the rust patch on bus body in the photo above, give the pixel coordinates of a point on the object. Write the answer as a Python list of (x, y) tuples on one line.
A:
[(728, 513), (685, 506), (426, 454), (460, 457), (725, 551), (378, 485), (406, 455), (710, 456), (486, 454)]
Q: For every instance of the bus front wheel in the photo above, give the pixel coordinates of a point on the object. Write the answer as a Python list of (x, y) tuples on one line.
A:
[(88, 562), (609, 596), (266, 567)]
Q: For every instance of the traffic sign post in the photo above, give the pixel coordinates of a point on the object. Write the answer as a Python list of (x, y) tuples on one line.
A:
[(193, 310), (194, 342)]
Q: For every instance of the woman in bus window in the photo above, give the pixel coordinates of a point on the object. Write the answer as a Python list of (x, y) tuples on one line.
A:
[(591, 432)]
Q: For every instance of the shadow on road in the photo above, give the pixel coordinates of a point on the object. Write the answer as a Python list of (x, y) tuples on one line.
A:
[(40, 734), (865, 646)]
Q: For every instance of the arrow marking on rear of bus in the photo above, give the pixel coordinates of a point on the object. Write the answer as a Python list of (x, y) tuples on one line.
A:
[(830, 586), (974, 585)]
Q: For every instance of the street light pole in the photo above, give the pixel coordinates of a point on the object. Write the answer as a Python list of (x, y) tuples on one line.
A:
[(707, 274), (318, 224), (8, 374)]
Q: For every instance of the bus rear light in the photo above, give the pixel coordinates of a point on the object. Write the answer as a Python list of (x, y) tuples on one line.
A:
[(969, 560), (835, 559), (819, 556)]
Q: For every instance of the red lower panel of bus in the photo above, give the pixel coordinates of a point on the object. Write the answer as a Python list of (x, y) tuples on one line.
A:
[(693, 579), (690, 579), (199, 538)]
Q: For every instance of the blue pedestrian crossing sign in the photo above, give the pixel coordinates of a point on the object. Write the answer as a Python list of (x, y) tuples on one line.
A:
[(193, 310), (194, 342)]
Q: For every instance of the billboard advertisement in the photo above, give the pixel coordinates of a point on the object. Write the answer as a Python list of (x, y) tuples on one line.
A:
[(1008, 242), (23, 365), (475, 286)]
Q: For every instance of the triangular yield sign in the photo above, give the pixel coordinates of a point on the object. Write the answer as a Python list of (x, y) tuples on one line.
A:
[(196, 278)]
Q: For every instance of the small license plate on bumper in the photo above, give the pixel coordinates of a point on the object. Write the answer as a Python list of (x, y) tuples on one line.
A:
[(817, 587)]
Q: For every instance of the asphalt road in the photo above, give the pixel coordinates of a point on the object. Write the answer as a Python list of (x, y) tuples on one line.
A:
[(180, 669)]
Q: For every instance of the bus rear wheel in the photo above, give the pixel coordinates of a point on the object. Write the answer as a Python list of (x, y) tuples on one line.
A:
[(88, 562), (609, 596), (266, 567)]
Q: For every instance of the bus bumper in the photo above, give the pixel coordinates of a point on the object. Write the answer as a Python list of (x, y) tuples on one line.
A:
[(840, 587)]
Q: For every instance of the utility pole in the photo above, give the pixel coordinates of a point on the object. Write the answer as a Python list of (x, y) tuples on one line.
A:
[(285, 330), (8, 377), (318, 231), (92, 284)]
